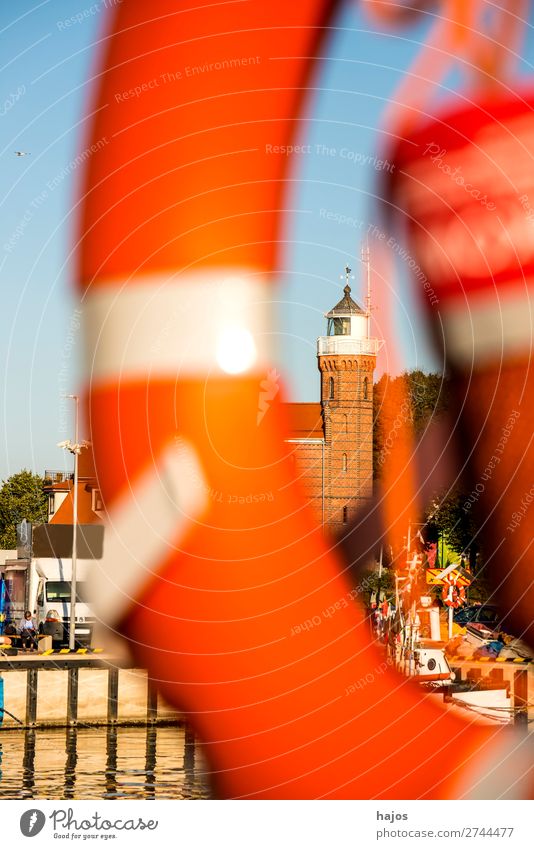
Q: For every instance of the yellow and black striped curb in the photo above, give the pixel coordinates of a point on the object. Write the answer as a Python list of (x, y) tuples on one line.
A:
[(456, 658), (68, 651)]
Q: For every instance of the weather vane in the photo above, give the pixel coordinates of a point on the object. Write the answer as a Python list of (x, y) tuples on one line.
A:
[(347, 276)]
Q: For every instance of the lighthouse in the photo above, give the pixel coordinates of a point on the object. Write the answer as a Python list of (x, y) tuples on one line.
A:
[(333, 440)]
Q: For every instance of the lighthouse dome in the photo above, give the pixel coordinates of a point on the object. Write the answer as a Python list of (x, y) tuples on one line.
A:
[(347, 318)]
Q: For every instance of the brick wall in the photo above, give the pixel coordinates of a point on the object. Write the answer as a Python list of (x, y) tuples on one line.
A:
[(347, 398), (308, 459)]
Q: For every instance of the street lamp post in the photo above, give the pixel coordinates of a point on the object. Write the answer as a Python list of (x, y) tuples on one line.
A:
[(75, 448), (72, 623)]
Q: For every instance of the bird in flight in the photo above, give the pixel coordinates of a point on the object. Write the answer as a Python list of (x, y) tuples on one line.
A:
[(22, 153)]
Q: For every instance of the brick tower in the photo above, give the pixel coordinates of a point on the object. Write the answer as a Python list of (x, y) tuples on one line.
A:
[(333, 440), (346, 358)]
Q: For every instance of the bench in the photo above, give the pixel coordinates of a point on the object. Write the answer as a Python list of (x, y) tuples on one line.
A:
[(16, 641)]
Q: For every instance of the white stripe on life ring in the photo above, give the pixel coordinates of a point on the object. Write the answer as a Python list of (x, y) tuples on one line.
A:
[(145, 526), (489, 327), (192, 324), (503, 772)]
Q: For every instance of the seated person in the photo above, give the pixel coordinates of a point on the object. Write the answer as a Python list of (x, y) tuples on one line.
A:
[(28, 631), (10, 638)]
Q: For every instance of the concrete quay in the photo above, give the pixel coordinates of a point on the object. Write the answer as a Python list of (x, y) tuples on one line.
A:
[(79, 690)]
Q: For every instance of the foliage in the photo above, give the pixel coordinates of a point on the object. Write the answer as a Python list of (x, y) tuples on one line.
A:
[(427, 396), (370, 583), (21, 497), (446, 518)]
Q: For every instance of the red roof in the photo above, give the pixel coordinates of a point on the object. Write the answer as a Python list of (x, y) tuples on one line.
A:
[(305, 421), (86, 516)]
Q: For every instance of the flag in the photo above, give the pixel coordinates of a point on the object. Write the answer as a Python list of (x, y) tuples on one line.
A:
[(431, 554)]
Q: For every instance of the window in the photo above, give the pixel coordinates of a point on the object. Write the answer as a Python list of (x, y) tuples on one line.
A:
[(96, 500), (346, 418), (51, 504), (331, 388), (342, 327), (365, 389), (344, 462), (60, 591), (338, 327), (345, 515)]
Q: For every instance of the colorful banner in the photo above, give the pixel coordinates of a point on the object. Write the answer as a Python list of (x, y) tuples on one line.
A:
[(2, 604), (431, 554)]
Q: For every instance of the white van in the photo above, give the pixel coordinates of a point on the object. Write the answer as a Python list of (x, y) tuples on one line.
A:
[(50, 594)]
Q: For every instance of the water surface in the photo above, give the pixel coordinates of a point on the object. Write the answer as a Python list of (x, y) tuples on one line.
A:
[(101, 763)]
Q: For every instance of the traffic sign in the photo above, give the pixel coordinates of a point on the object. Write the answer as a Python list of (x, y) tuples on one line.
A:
[(455, 576)]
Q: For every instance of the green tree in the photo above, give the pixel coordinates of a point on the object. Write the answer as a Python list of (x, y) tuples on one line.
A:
[(447, 517), (21, 497), (370, 583), (427, 398)]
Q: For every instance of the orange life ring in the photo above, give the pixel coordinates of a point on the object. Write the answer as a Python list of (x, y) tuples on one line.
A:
[(239, 608), (451, 594)]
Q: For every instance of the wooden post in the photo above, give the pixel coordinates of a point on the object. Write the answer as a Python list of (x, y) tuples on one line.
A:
[(113, 694), (72, 696), (151, 702), (521, 699), (31, 697)]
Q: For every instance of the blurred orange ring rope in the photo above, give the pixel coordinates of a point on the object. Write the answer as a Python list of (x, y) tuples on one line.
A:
[(460, 35)]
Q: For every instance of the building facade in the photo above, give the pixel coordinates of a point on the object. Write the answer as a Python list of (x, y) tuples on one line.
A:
[(332, 440), (59, 488)]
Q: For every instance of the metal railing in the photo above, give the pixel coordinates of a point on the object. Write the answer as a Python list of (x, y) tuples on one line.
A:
[(347, 345), (55, 476)]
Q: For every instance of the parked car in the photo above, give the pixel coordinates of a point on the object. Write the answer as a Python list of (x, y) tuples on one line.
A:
[(482, 614)]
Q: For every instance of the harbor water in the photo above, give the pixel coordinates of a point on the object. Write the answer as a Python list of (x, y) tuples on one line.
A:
[(146, 762)]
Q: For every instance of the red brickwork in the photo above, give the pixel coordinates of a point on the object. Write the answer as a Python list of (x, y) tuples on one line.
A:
[(349, 437), (342, 467), (309, 472)]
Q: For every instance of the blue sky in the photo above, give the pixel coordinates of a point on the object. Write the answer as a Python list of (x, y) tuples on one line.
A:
[(44, 89)]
